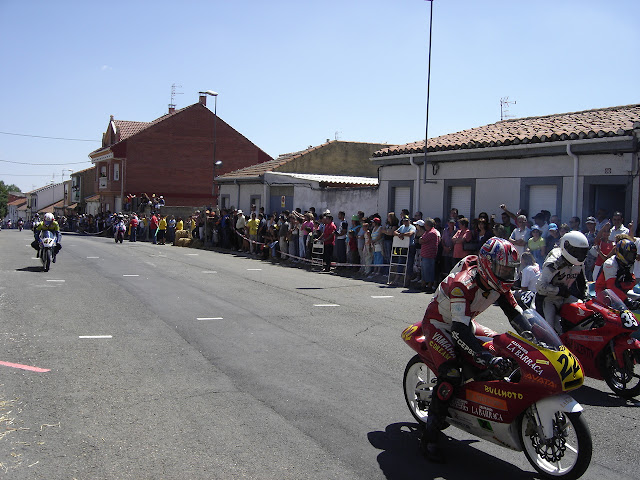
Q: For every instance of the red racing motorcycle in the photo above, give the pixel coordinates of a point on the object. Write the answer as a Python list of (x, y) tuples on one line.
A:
[(599, 332), (527, 411)]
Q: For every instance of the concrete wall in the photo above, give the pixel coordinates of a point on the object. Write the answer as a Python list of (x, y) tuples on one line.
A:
[(336, 158)]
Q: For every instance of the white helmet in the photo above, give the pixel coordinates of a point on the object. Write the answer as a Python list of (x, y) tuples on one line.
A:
[(48, 218), (574, 246)]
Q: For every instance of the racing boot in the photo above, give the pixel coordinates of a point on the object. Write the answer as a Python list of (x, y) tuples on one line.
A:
[(429, 444)]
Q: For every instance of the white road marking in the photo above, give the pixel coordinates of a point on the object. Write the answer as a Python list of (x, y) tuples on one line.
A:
[(381, 296), (56, 280), (209, 271), (209, 318), (191, 254), (254, 269), (35, 258), (95, 336), (130, 275), (326, 305), (93, 257)]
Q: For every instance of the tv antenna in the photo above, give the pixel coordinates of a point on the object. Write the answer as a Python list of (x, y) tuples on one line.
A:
[(173, 95), (504, 108)]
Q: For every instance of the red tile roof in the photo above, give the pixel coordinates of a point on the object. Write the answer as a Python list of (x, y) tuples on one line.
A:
[(18, 202), (603, 122)]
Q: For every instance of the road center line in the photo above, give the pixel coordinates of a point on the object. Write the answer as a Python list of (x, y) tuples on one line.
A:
[(130, 275), (191, 254), (209, 318), (56, 280), (326, 305), (95, 336), (93, 257), (209, 271), (254, 269), (381, 296)]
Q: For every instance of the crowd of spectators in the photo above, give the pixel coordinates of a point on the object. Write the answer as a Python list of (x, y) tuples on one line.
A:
[(361, 245)]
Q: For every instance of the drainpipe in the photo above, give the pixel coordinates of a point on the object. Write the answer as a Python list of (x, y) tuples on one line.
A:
[(416, 200), (237, 185), (574, 211)]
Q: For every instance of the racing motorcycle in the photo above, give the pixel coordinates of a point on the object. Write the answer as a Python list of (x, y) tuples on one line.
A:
[(20, 225), (119, 233), (47, 251), (600, 332), (528, 410)]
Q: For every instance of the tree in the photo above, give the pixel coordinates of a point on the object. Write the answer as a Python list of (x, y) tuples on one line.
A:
[(4, 196)]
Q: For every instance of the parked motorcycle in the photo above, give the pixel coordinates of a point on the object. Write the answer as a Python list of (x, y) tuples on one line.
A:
[(600, 332), (527, 411), (47, 251)]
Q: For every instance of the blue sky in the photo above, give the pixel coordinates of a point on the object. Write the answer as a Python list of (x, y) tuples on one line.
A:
[(294, 73)]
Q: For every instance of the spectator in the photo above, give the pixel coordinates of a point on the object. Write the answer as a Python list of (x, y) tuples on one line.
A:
[(133, 227), (618, 227), (530, 272), (171, 229), (366, 254), (241, 225), (552, 239), (500, 232), (294, 237), (601, 219), (283, 235), (353, 257), (341, 238), (506, 222), (591, 235), (536, 245), (574, 224), (307, 229), (543, 225), (153, 228), (162, 230), (377, 240), (408, 230), (520, 236), (604, 248), (447, 246), (463, 235), (429, 242), (390, 226), (252, 229)]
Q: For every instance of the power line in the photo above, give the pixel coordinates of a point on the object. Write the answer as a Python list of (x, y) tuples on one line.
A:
[(45, 164), (51, 138)]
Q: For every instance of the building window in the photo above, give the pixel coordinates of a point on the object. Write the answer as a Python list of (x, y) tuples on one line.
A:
[(224, 201), (116, 171), (460, 194), (400, 196), (103, 171), (542, 193)]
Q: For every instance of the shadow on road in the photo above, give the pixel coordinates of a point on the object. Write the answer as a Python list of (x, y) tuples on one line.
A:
[(597, 398), (29, 269), (401, 458)]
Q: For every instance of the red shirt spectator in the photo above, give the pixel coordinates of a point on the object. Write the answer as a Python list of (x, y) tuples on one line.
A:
[(429, 243)]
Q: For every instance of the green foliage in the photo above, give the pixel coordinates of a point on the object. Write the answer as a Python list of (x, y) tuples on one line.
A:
[(4, 196)]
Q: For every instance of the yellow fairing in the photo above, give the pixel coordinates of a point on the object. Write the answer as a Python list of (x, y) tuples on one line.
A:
[(567, 366)]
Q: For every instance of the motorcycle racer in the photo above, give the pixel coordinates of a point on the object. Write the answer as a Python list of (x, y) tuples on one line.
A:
[(473, 285), (562, 277), (617, 271), (50, 224)]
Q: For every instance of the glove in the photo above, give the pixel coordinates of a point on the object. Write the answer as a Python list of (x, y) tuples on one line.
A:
[(632, 304), (500, 366), (563, 291)]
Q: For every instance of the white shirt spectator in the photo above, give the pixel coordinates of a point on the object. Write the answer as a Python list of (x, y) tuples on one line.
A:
[(524, 235), (617, 231), (529, 277)]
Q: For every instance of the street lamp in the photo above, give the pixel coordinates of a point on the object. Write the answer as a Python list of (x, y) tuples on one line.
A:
[(215, 118)]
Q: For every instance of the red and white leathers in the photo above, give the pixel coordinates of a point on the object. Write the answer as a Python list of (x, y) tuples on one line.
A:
[(449, 322), (614, 277)]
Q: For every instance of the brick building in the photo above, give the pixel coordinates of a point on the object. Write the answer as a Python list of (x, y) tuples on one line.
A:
[(170, 156)]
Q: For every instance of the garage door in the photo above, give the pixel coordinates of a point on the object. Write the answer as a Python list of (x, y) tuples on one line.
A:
[(542, 197), (461, 199), (401, 199)]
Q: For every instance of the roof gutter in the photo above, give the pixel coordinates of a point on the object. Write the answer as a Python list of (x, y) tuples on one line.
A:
[(574, 208)]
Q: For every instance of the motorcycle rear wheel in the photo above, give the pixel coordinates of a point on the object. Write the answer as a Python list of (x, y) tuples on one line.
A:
[(569, 454), (46, 259), (624, 382), (418, 383)]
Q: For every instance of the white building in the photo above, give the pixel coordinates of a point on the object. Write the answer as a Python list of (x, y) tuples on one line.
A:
[(570, 164), (41, 200)]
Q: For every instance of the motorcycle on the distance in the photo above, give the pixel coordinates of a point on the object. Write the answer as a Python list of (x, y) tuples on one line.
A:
[(20, 225), (47, 242), (119, 233), (600, 333), (527, 411)]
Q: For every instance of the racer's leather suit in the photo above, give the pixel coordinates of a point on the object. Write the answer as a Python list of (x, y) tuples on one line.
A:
[(560, 282), (452, 333), (53, 227), (616, 277)]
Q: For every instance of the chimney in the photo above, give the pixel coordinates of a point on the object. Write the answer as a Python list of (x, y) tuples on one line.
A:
[(203, 99), (172, 108)]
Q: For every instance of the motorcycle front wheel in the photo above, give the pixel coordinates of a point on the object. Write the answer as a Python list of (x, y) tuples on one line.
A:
[(418, 384), (624, 382), (567, 455), (46, 259)]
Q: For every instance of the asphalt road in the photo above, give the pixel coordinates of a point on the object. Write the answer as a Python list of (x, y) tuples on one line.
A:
[(211, 365)]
